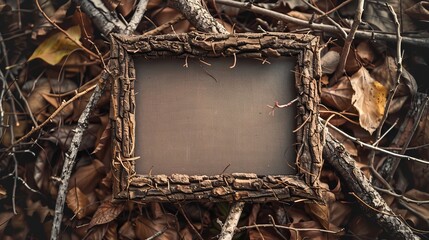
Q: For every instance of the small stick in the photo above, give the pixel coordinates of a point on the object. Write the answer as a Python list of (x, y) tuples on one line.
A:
[(348, 42), (369, 146), (164, 26), (422, 42), (54, 114), (231, 221), (63, 31)]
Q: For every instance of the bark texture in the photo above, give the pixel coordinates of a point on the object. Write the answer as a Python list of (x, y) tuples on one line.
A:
[(198, 15), (245, 187), (105, 20), (372, 202)]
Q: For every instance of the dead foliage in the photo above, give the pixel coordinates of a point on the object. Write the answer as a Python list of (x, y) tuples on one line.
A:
[(48, 76)]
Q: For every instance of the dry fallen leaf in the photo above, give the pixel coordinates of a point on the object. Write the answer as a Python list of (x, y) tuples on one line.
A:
[(369, 99), (57, 46), (106, 212), (338, 96), (329, 62), (164, 15), (166, 225), (365, 53), (77, 202), (386, 74)]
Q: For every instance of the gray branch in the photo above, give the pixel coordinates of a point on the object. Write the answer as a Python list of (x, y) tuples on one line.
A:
[(199, 16), (106, 21)]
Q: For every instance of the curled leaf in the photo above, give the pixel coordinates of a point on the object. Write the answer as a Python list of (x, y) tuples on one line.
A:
[(53, 49)]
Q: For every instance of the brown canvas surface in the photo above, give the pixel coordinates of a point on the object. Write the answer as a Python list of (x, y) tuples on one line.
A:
[(202, 119)]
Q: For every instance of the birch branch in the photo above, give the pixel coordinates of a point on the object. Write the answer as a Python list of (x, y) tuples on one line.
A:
[(231, 221)]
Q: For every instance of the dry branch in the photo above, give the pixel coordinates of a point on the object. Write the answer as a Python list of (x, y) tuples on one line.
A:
[(349, 40), (71, 154), (371, 201), (421, 42), (231, 221), (199, 16), (137, 16), (104, 20)]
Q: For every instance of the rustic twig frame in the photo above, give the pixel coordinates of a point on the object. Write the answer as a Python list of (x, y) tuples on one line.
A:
[(227, 187)]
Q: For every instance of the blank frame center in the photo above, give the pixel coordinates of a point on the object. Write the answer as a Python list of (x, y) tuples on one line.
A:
[(211, 117)]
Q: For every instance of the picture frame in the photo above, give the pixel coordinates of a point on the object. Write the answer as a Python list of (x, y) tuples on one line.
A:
[(248, 187)]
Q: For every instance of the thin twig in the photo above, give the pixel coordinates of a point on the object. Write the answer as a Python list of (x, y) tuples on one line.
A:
[(267, 225), (71, 154), (228, 228), (276, 105), (55, 113), (63, 31), (190, 223), (422, 42), (340, 29), (390, 192), (369, 146), (157, 234), (348, 42), (164, 26), (335, 8)]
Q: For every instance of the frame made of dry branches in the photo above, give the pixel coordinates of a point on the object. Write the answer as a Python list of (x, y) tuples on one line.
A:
[(248, 187)]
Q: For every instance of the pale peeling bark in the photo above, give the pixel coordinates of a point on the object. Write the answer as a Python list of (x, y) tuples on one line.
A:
[(199, 16), (103, 19), (231, 222)]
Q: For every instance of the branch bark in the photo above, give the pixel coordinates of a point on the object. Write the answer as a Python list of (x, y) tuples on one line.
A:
[(103, 19), (231, 221), (198, 15), (349, 40), (137, 17), (71, 154), (372, 202)]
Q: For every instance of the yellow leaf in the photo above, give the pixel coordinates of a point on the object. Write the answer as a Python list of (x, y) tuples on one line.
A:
[(369, 99), (53, 49)]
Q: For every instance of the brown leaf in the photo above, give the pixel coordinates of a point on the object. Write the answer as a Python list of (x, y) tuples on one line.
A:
[(106, 212), (112, 4), (365, 53), (87, 177), (329, 62), (319, 212), (43, 27), (386, 74), (126, 7), (363, 228), (316, 235), (34, 90), (57, 46), (166, 14), (5, 217), (340, 213), (260, 233), (419, 11), (338, 96), (369, 99), (77, 202), (165, 225), (126, 231)]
